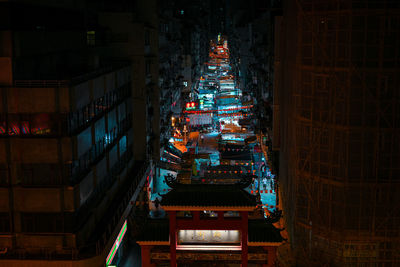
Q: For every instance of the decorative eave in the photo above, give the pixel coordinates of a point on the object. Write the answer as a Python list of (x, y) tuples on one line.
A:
[(155, 242), (213, 208), (261, 244)]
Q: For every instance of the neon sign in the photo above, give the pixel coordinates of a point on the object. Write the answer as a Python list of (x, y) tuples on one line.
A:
[(116, 245), (190, 105)]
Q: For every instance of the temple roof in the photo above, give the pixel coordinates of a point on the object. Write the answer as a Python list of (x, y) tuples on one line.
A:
[(261, 231), (155, 230), (232, 154), (208, 195)]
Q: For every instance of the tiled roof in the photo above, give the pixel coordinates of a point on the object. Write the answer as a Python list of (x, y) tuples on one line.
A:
[(261, 231), (234, 155), (203, 195), (235, 152), (155, 230)]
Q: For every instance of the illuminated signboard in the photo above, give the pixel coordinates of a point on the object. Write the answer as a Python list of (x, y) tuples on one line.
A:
[(190, 105), (226, 44), (116, 245), (231, 237)]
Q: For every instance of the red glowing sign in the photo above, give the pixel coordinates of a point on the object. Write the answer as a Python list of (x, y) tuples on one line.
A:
[(191, 105)]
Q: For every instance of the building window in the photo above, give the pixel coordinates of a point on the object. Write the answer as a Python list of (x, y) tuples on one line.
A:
[(3, 124), (41, 124), (91, 38), (40, 174), (13, 125), (3, 174), (4, 222), (29, 124), (147, 37), (148, 67), (164, 27), (42, 222)]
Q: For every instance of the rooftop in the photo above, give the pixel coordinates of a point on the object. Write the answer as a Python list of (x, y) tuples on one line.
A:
[(208, 195)]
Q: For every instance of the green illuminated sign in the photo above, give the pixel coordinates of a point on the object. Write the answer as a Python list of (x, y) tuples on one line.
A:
[(117, 242)]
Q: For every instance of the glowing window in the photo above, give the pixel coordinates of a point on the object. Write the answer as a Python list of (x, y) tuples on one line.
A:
[(91, 38)]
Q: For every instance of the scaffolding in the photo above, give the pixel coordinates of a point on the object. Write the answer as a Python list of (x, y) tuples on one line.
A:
[(340, 128)]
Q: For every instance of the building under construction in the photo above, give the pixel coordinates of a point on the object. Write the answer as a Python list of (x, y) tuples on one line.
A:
[(337, 126)]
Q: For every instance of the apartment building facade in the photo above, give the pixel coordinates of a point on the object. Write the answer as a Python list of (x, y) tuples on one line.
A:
[(71, 160)]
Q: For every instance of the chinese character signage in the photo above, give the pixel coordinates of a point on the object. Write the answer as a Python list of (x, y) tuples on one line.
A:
[(208, 237)]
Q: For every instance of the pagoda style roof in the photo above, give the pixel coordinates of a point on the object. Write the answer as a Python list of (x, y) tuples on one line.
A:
[(208, 197), (261, 231), (235, 152), (155, 231)]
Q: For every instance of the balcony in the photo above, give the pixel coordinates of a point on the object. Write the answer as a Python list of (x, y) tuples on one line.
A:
[(87, 208), (117, 209), (81, 119), (33, 125), (41, 83), (100, 236), (75, 80), (78, 169)]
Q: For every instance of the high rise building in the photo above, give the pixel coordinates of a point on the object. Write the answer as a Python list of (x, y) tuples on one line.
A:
[(336, 80), (78, 126)]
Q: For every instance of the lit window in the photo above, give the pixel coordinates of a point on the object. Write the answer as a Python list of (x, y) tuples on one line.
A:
[(41, 124), (91, 38)]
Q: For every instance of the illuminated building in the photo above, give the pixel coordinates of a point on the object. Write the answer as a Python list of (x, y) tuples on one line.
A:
[(172, 79), (69, 164), (208, 224)]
